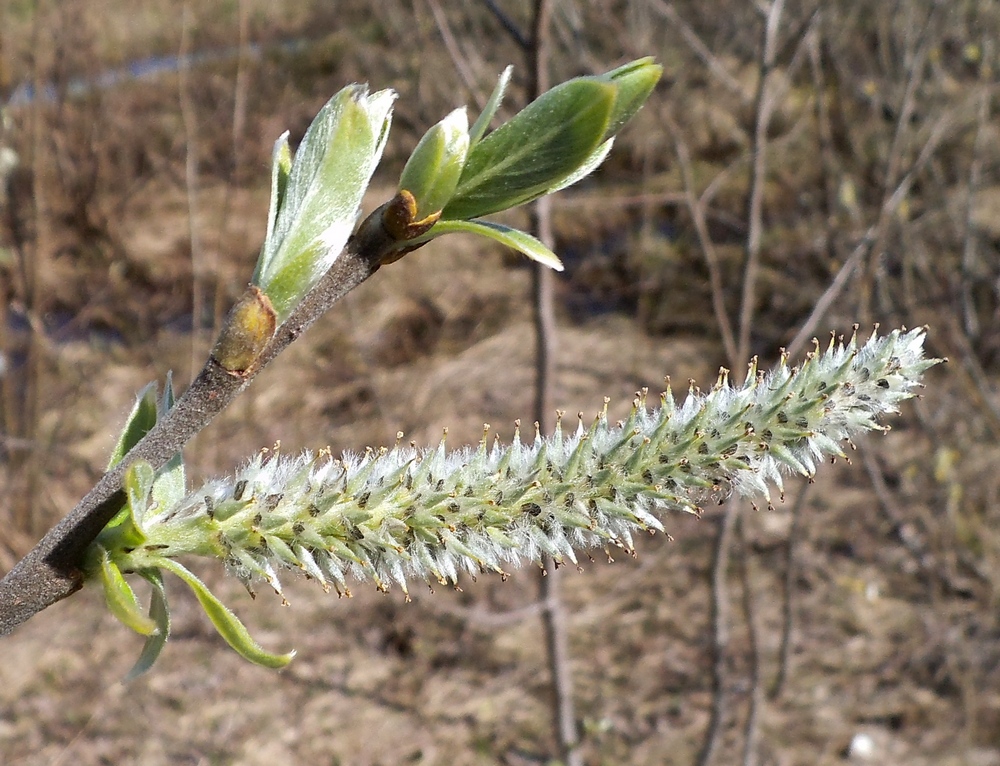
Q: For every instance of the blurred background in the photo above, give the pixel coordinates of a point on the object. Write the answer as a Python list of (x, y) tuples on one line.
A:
[(802, 167)]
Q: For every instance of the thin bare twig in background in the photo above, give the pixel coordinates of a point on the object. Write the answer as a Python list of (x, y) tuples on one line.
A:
[(241, 87), (808, 329), (750, 730), (764, 106), (738, 358), (698, 47), (697, 210), (907, 534), (454, 52), (35, 262), (829, 166), (916, 57), (970, 256), (869, 243), (509, 25), (788, 592), (720, 633), (977, 381), (7, 404), (831, 173), (553, 613), (189, 118)]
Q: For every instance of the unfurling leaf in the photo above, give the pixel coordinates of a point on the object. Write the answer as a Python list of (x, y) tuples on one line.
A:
[(432, 172), (315, 204)]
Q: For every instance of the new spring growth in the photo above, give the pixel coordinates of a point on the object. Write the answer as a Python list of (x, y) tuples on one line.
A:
[(399, 515), (454, 174), (316, 196), (460, 174), (315, 200)]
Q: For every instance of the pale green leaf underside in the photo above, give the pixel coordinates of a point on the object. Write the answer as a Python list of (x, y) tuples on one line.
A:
[(328, 178), (505, 235)]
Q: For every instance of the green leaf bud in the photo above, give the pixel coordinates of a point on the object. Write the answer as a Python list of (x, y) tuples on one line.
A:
[(120, 597), (554, 142), (249, 327), (281, 169), (140, 420), (432, 172), (159, 613)]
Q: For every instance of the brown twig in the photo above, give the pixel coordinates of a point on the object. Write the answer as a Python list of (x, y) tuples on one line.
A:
[(764, 106), (720, 634), (750, 730), (509, 25), (190, 122), (700, 49), (241, 88), (554, 621), (455, 54), (697, 210), (969, 251), (33, 267), (916, 55), (808, 330), (788, 593), (906, 533)]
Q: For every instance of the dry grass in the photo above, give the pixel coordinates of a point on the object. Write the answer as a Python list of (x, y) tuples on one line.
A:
[(895, 633)]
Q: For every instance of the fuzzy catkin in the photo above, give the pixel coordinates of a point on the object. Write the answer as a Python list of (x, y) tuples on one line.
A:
[(396, 514)]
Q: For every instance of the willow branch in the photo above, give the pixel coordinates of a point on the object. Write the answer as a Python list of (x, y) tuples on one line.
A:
[(51, 570)]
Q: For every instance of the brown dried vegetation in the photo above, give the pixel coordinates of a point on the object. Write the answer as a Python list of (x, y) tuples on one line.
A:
[(881, 199)]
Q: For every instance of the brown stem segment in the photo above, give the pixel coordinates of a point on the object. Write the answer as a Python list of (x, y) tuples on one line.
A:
[(51, 570)]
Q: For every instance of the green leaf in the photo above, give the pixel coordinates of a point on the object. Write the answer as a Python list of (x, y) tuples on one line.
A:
[(482, 123), (505, 235), (140, 421), (317, 211), (121, 598), (541, 145), (227, 623), (159, 613)]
